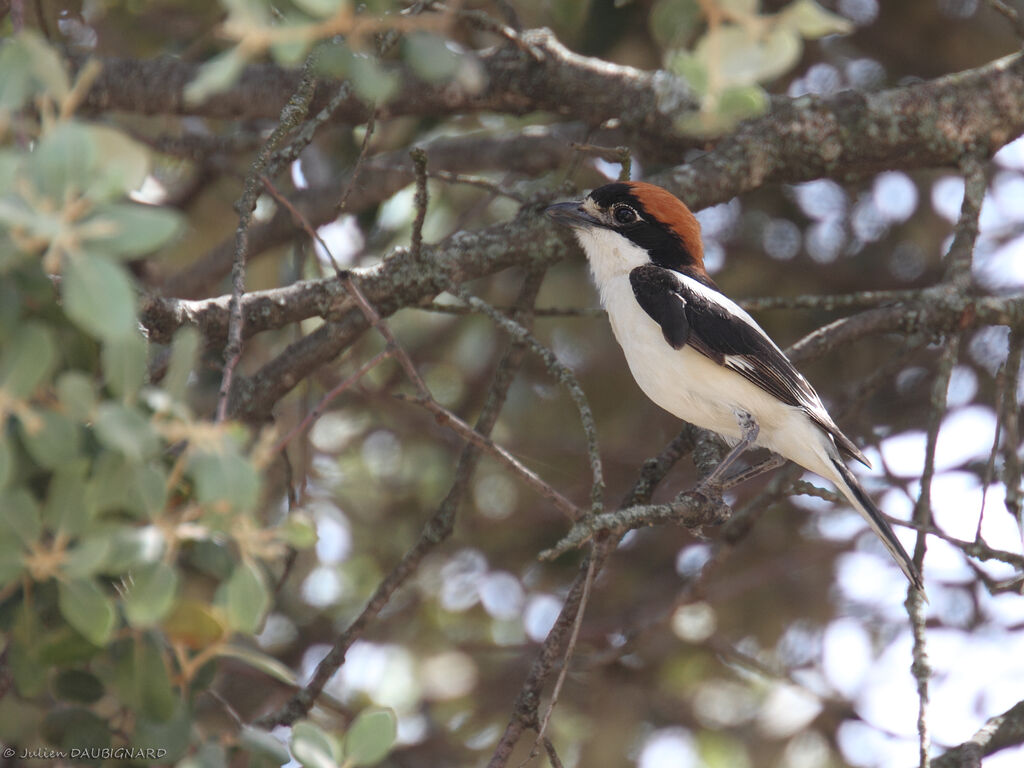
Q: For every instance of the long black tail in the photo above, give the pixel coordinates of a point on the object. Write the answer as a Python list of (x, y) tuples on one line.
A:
[(859, 498)]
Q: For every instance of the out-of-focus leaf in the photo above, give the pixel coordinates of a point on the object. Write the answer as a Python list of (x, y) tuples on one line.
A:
[(68, 509), (333, 59), (86, 557), (123, 163), (29, 65), (371, 80), (150, 594), (98, 297), (7, 461), (78, 685), (77, 395), (194, 624), (300, 531), (51, 438), (738, 55), (184, 349), (321, 8), (370, 738), (218, 74), (125, 429), (65, 647), (811, 20), (64, 160), (312, 747), (132, 547), (20, 519), (672, 22), (261, 661), (259, 741), (143, 682), (128, 229), (737, 104), (171, 734), (430, 58), (124, 366), (27, 360), (76, 729), (691, 69), (86, 608), (739, 7), (245, 598), (226, 478)]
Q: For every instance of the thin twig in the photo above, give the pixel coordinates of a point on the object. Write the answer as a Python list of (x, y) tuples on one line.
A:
[(292, 115), (570, 648), (335, 392), (1010, 419), (448, 419), (438, 528), (565, 376)]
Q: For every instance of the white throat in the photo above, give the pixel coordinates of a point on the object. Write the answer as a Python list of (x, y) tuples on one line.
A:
[(611, 256)]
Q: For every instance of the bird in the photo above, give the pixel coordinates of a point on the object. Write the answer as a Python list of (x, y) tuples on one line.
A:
[(696, 353)]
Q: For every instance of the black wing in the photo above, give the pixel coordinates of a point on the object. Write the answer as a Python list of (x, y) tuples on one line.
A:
[(700, 316)]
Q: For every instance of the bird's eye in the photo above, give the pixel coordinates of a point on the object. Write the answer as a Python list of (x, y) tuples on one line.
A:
[(624, 214)]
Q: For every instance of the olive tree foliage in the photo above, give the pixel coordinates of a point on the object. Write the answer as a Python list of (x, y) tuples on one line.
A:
[(314, 447)]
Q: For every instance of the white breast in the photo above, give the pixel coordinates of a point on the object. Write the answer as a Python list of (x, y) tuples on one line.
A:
[(684, 382)]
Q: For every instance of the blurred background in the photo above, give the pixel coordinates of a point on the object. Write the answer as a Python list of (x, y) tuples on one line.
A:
[(796, 650)]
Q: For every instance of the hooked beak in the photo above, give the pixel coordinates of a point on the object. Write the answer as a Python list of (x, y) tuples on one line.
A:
[(571, 214)]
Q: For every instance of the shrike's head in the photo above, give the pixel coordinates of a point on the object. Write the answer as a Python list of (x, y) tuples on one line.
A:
[(625, 225)]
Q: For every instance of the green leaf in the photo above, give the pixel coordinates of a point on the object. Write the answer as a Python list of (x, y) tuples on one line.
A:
[(245, 597), (76, 728), (86, 557), (128, 229), (124, 366), (98, 297), (739, 7), (371, 81), (68, 508), (312, 747), (51, 438), (78, 685), (691, 69), (123, 428), (27, 360), (258, 740), (47, 67), (64, 161), (371, 736), (77, 394), (225, 478), (218, 74), (268, 665), (811, 20), (124, 484), (184, 350), (86, 608), (171, 734), (65, 647), (321, 8), (300, 530), (429, 57), (132, 547), (290, 52), (150, 594), (19, 516), (672, 22), (333, 59), (194, 623), (8, 462), (29, 65), (143, 683), (123, 163), (737, 104), (738, 55)]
